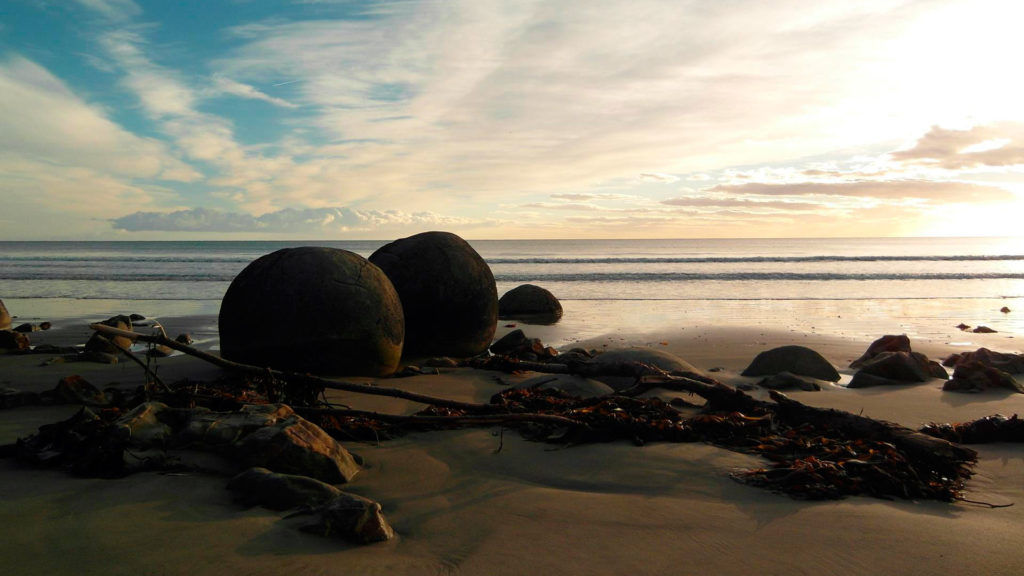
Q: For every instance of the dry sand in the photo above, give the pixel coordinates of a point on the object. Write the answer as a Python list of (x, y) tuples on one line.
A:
[(460, 506)]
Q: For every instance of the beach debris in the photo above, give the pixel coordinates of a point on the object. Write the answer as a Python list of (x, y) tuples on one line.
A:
[(313, 309), (11, 341), (5, 317), (995, 428), (1005, 309), (349, 517), (788, 381), (984, 330), (531, 304), (447, 292), (798, 360), (259, 486)]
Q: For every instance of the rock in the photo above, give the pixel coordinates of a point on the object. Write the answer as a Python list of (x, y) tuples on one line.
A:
[(26, 327), (159, 351), (788, 381), (143, 428), (5, 317), (136, 317), (1005, 309), (510, 342), (11, 341), (574, 355), (111, 344), (798, 360), (295, 445), (1012, 363), (313, 309), (963, 327), (261, 487), (447, 291), (350, 517), (530, 302), (77, 390), (888, 343), (223, 429), (983, 330), (184, 338), (570, 384), (516, 345), (903, 367), (974, 376), (99, 357), (441, 362), (11, 398), (657, 358), (45, 325)]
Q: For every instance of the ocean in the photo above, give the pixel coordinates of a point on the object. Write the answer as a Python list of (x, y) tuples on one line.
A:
[(858, 287)]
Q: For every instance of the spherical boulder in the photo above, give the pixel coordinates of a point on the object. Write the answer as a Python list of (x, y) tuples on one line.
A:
[(447, 292), (529, 301), (313, 309), (798, 360)]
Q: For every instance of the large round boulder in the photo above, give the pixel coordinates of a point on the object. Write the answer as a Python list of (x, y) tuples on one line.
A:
[(447, 292), (798, 360), (313, 309), (614, 358), (530, 302)]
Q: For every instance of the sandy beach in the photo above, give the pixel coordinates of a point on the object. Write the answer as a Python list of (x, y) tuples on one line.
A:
[(459, 505)]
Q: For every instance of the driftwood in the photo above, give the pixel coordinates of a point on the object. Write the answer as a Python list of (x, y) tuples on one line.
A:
[(814, 452)]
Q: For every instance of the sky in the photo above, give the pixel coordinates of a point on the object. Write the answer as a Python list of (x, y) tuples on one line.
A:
[(344, 119)]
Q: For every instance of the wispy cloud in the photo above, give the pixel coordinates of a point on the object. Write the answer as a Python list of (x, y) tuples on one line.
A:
[(990, 145)]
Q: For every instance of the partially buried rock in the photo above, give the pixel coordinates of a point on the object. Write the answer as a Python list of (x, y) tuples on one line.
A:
[(447, 292), (625, 356), (896, 368), (1005, 309), (983, 330), (572, 385), (1012, 363), (798, 360), (11, 341), (516, 344), (350, 517), (530, 302), (788, 381), (261, 487), (5, 317), (144, 426), (974, 376), (313, 309), (887, 343)]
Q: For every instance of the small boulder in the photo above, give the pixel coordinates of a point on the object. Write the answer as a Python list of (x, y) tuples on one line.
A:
[(888, 343), (983, 330), (788, 381), (448, 294), (143, 428), (5, 317), (313, 309), (218, 430), (974, 376), (352, 518), (1005, 309), (530, 302), (111, 344), (798, 360), (45, 325), (184, 338), (656, 358), (11, 341), (516, 344), (1012, 363), (295, 445), (261, 487), (903, 367)]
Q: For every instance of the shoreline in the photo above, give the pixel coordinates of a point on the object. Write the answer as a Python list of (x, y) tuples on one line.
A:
[(459, 506)]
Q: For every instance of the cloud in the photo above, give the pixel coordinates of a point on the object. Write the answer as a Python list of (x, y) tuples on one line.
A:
[(313, 221), (113, 9), (717, 202), (656, 177), (222, 85), (925, 190), (990, 145)]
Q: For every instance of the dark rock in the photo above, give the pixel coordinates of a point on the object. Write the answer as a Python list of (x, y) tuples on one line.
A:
[(974, 376), (788, 381), (888, 343), (657, 358), (798, 360), (295, 445), (864, 380), (313, 309), (963, 327), (1005, 309), (983, 330), (136, 317), (447, 293), (217, 430), (99, 357), (5, 317), (45, 325), (903, 367), (515, 344), (1012, 363), (510, 342), (261, 487), (111, 344), (350, 517), (441, 362), (184, 338), (574, 355), (77, 390), (143, 426), (11, 398), (26, 327), (530, 302), (11, 341)]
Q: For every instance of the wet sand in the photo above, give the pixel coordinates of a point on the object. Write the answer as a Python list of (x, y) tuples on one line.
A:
[(461, 506)]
